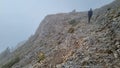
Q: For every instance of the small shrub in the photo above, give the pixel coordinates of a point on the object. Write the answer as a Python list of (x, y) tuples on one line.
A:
[(11, 63), (109, 9), (41, 56), (72, 22), (71, 30)]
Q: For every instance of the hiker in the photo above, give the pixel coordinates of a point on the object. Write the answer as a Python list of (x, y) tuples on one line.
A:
[(90, 13)]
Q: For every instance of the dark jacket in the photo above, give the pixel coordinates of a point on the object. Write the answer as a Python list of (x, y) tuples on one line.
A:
[(90, 13)]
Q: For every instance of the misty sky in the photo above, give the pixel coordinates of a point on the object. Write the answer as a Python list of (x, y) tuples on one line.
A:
[(20, 18)]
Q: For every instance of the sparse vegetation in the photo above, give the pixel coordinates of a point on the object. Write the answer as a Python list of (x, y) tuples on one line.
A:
[(5, 53), (72, 22), (41, 56), (71, 30), (11, 63)]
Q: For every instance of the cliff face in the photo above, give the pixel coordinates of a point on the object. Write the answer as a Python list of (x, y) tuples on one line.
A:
[(66, 40)]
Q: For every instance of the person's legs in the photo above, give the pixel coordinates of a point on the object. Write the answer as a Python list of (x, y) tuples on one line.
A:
[(89, 19)]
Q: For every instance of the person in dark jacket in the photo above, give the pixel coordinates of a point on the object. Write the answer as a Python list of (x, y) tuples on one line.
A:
[(90, 13)]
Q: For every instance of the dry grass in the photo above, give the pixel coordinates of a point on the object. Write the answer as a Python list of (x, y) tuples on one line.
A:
[(41, 56), (71, 30)]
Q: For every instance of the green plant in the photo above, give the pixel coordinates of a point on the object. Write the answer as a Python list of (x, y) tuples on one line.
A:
[(41, 56), (71, 30), (11, 63), (73, 22)]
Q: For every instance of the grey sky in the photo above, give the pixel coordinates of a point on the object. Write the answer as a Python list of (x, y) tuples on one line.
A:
[(20, 18)]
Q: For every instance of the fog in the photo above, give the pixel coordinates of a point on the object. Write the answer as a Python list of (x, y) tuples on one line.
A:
[(20, 18)]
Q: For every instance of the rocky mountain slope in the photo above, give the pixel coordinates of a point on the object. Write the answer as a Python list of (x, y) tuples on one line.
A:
[(67, 40)]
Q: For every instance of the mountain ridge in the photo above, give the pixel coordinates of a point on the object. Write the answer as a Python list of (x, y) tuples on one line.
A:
[(67, 40)]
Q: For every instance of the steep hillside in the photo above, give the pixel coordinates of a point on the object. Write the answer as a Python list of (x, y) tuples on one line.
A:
[(67, 40)]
